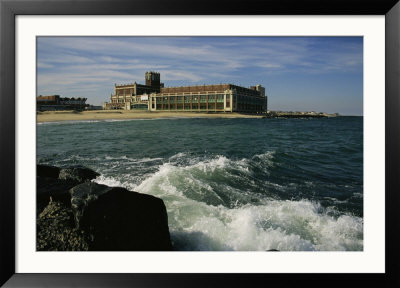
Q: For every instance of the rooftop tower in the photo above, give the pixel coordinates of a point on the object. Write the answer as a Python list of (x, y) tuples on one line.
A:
[(152, 79)]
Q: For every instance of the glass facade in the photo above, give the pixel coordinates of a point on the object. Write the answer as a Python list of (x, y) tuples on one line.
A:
[(229, 101)]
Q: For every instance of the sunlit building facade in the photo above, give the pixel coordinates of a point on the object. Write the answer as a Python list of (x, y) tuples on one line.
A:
[(200, 98)]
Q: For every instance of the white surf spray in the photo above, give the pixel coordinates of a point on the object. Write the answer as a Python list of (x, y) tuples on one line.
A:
[(200, 218)]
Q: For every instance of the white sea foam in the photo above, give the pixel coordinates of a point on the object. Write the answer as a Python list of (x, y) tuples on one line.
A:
[(177, 156), (336, 201), (69, 122), (207, 212), (116, 158), (109, 181), (117, 120), (144, 160), (263, 161), (281, 225), (200, 218), (272, 224), (112, 182), (267, 156), (134, 160), (78, 158)]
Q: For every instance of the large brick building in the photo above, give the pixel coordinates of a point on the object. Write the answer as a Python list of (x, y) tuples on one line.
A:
[(200, 98)]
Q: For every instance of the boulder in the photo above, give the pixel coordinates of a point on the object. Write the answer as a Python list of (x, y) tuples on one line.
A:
[(82, 195), (56, 232), (116, 219), (53, 182), (77, 173), (76, 214), (47, 171), (52, 188)]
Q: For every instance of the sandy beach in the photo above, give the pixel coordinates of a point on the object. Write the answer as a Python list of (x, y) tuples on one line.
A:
[(56, 116)]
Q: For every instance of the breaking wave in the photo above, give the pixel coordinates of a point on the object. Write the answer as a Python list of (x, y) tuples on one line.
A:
[(211, 205)]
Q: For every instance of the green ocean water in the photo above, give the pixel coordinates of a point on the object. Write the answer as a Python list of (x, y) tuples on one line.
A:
[(230, 184)]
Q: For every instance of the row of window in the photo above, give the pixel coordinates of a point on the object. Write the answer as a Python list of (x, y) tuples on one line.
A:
[(196, 96), (189, 99), (118, 101), (188, 102), (124, 91), (250, 100), (249, 107), (219, 106)]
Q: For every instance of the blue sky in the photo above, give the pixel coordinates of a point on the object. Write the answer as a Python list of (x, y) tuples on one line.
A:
[(323, 74)]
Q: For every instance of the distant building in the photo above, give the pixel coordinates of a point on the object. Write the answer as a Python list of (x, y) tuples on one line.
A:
[(93, 107), (55, 102), (200, 98)]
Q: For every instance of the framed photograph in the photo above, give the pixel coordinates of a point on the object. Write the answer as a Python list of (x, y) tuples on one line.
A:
[(262, 140)]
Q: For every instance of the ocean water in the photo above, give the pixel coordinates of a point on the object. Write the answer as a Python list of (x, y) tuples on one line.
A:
[(230, 184)]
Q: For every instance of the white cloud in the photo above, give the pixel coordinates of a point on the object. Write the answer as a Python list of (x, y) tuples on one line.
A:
[(180, 75)]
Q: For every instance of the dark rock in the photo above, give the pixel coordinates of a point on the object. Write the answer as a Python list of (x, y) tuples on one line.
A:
[(81, 196), (56, 232), (116, 219), (47, 171), (76, 214), (77, 173), (53, 182), (53, 188)]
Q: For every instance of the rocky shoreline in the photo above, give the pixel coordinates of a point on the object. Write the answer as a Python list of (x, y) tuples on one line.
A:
[(297, 114), (76, 214)]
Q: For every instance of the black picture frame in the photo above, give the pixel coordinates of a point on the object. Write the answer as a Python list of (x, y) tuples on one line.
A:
[(9, 9)]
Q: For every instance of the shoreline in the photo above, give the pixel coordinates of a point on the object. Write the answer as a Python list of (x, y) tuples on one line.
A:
[(57, 116)]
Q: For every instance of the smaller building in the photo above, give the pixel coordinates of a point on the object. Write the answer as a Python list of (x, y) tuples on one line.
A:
[(56, 103), (134, 95), (93, 107)]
